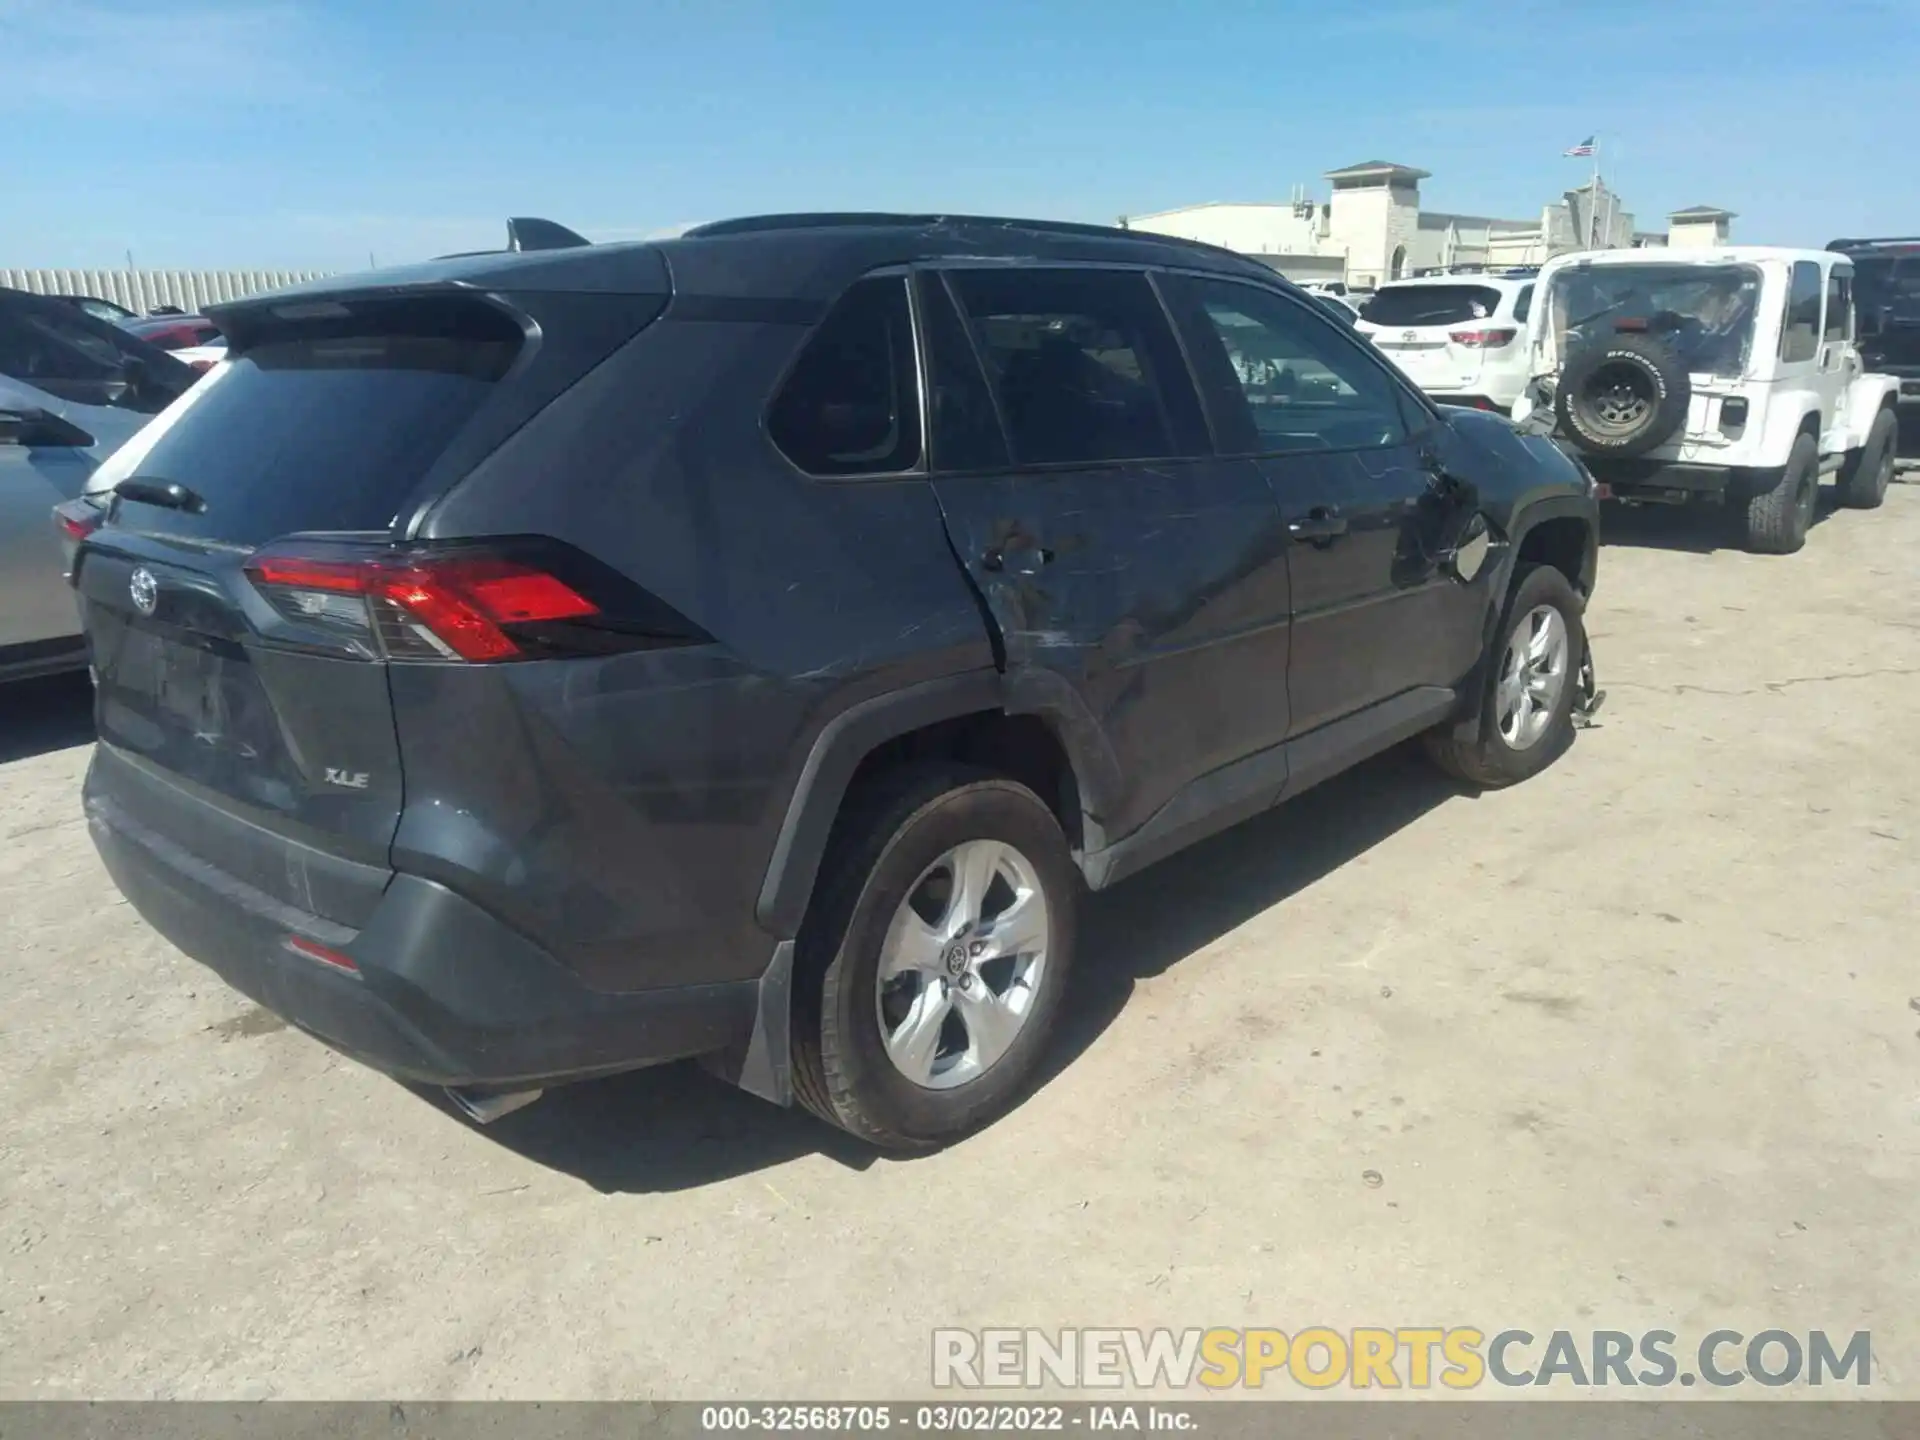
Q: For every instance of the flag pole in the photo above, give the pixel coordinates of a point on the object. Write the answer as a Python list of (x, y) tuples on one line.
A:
[(1593, 195)]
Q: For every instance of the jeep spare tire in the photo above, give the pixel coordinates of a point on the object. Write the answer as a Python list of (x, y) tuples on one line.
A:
[(1622, 396)]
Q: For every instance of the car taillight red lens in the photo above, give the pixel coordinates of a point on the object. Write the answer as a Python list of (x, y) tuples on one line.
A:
[(422, 607), (1482, 339), (76, 524)]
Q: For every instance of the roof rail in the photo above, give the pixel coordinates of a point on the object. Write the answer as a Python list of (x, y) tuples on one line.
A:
[(1865, 244), (830, 219)]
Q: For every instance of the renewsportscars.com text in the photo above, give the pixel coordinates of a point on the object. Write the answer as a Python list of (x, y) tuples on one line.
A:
[(1460, 1357)]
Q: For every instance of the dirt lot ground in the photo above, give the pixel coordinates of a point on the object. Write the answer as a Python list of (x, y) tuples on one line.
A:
[(1632, 1046)]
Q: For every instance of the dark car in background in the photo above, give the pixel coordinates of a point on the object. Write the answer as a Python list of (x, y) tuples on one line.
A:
[(1886, 299), (525, 667)]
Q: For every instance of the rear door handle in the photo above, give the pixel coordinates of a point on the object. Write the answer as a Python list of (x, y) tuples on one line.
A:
[(1321, 525)]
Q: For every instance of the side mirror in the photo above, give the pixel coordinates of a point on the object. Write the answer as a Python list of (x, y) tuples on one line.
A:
[(1469, 554), (40, 427)]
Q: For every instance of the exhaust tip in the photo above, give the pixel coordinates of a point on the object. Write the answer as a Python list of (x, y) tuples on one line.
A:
[(485, 1108)]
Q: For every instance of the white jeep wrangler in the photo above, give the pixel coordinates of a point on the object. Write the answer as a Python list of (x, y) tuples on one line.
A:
[(1728, 375)]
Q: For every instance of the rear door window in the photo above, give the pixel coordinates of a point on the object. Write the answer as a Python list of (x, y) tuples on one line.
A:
[(1084, 365), (851, 405), (960, 407), (1412, 305), (327, 425)]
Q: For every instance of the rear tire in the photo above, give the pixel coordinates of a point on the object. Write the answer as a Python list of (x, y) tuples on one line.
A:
[(1506, 752), (1778, 519), (888, 850), (1869, 471)]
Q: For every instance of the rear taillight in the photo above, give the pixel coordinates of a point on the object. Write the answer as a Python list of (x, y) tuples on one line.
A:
[(1482, 339), (77, 519), (453, 607), (511, 599)]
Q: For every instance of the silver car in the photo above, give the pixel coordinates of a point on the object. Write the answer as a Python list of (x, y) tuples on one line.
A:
[(73, 389)]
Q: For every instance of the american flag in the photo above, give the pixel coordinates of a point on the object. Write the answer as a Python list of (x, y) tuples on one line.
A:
[(1585, 147)]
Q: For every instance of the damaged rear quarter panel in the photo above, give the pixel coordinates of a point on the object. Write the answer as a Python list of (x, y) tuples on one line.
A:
[(636, 847)]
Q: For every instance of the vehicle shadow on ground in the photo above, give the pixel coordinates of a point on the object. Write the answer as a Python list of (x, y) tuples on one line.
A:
[(38, 717), (676, 1127), (1694, 529)]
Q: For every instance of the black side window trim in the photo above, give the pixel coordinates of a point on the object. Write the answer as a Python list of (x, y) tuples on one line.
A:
[(1414, 405), (945, 268), (917, 471)]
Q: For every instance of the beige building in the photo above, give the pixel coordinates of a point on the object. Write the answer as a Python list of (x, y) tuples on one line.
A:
[(1372, 228), (1699, 227)]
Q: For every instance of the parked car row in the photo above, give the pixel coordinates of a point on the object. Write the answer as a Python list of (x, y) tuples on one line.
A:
[(758, 665)]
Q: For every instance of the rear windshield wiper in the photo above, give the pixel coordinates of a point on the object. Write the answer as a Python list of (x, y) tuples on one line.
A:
[(170, 494)]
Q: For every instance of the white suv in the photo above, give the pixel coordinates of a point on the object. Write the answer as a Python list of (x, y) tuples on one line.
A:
[(1457, 336), (1729, 375)]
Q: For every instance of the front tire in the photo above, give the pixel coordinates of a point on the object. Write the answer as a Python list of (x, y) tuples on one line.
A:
[(1867, 474), (934, 959), (1778, 519), (1533, 679)]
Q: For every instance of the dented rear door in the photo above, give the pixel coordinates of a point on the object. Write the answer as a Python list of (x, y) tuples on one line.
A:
[(1114, 552)]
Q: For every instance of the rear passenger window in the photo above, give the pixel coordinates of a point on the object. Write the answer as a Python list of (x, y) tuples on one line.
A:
[(1084, 364), (851, 405), (1801, 339), (1523, 307), (966, 430)]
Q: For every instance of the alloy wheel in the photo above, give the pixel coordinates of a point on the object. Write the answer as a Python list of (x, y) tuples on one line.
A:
[(1533, 674), (961, 964)]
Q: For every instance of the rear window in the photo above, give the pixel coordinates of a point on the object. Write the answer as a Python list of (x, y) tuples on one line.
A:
[(1431, 305), (328, 423)]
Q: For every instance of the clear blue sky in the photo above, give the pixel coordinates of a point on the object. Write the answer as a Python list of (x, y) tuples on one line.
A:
[(295, 133)]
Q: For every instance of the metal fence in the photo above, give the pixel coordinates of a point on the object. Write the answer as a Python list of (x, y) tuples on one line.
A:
[(141, 290)]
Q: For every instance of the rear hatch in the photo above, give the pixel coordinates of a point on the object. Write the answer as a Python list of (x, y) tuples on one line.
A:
[(1439, 335), (251, 583)]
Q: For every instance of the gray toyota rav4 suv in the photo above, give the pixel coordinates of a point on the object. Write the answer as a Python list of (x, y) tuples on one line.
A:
[(531, 666)]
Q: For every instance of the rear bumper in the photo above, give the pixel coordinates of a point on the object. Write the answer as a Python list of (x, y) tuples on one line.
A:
[(1627, 478), (442, 993)]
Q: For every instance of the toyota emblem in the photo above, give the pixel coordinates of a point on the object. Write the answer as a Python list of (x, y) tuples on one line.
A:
[(1409, 335), (144, 589)]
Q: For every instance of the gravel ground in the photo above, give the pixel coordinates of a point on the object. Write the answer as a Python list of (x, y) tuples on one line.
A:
[(1631, 1046)]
